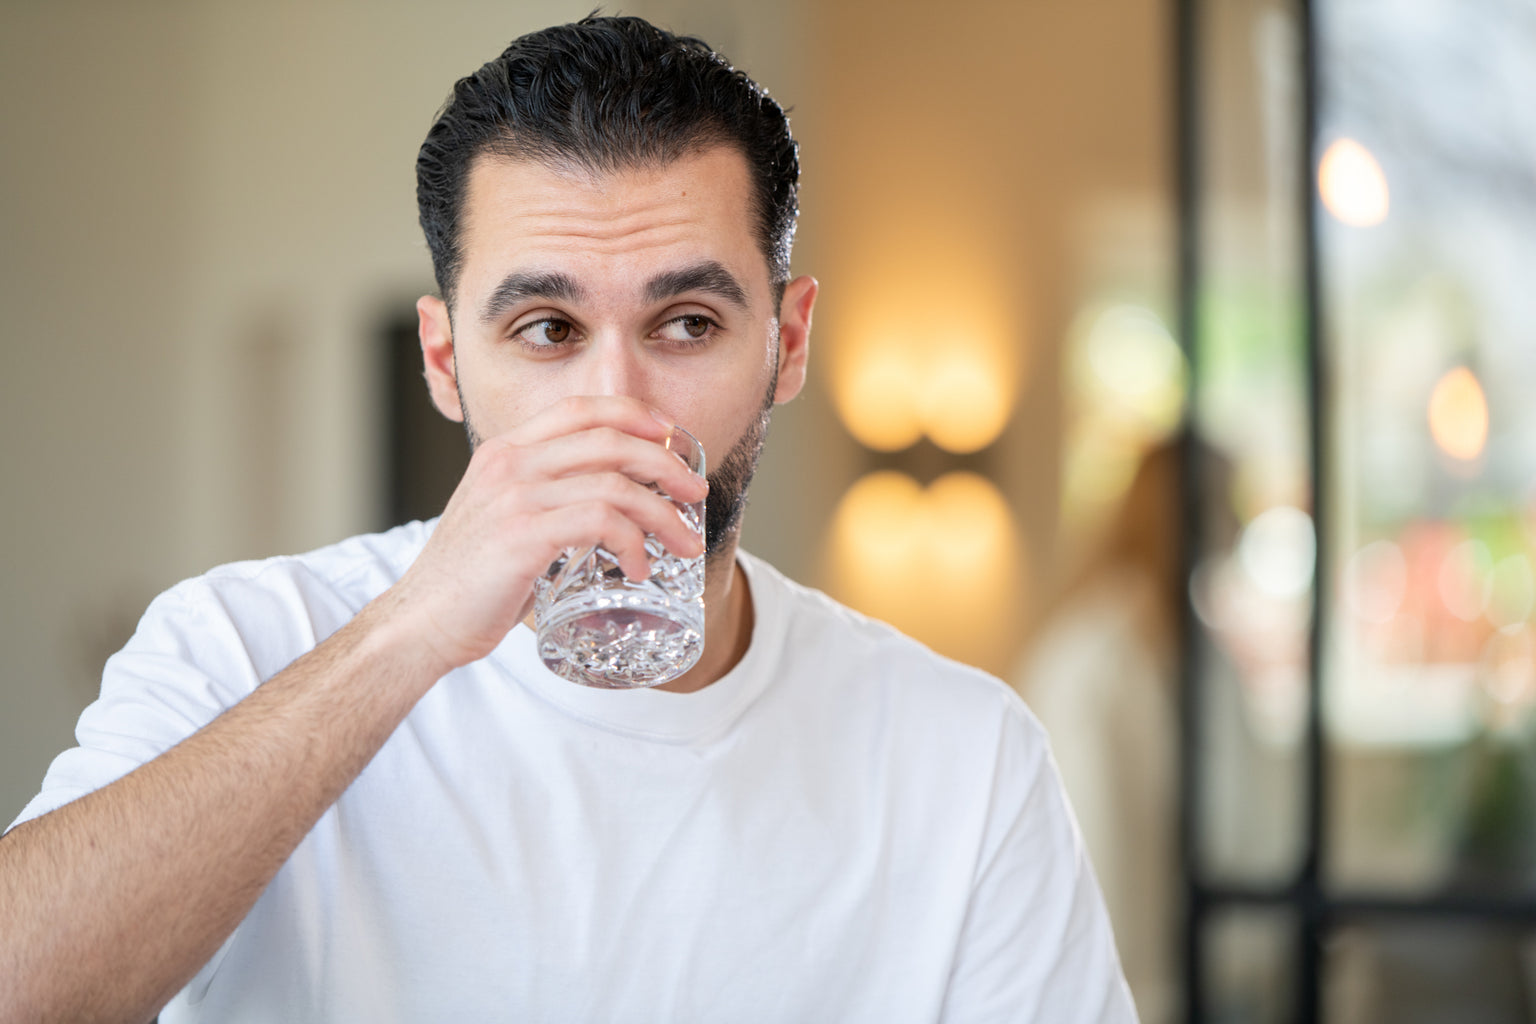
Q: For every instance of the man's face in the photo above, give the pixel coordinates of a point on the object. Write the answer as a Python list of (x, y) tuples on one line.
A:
[(645, 283)]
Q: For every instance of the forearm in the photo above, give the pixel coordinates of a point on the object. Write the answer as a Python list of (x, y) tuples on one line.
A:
[(110, 904)]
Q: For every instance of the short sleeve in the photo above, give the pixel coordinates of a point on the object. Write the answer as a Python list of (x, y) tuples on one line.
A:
[(1036, 945), (184, 666)]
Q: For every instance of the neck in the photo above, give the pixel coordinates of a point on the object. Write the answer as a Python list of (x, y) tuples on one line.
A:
[(728, 622)]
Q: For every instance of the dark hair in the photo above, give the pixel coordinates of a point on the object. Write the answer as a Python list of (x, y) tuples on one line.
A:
[(606, 94)]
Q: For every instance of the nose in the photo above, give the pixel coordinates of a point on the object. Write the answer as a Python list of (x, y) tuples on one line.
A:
[(613, 366)]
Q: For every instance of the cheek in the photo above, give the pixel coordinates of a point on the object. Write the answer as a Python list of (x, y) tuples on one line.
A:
[(497, 401), (714, 402), (729, 417)]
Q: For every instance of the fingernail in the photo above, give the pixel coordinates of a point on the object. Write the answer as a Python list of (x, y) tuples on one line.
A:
[(659, 418)]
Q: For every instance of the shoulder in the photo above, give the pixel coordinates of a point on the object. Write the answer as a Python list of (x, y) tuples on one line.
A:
[(360, 563), (275, 609), (849, 656), (208, 642), (359, 567)]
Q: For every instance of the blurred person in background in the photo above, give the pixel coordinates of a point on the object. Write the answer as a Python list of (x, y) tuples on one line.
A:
[(1102, 676), (342, 786)]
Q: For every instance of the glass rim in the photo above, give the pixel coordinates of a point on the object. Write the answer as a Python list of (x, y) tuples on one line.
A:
[(692, 443)]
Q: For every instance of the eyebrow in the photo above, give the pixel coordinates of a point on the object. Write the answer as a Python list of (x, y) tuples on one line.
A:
[(520, 286), (708, 276)]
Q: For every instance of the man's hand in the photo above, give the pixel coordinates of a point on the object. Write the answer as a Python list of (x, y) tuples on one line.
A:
[(577, 474)]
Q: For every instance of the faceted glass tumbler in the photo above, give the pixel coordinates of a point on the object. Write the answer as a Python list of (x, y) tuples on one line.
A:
[(597, 628)]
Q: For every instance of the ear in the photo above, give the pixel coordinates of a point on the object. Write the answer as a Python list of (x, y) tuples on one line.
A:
[(794, 335), (435, 329)]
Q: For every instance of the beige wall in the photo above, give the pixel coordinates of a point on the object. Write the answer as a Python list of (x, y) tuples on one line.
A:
[(991, 170), (206, 207)]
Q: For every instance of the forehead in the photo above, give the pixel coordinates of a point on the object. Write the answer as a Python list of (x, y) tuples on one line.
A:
[(521, 212)]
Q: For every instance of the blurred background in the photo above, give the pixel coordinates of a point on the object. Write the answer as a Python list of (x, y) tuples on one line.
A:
[(1174, 362)]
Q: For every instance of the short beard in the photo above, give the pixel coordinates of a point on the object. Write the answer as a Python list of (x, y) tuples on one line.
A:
[(470, 433), (728, 483)]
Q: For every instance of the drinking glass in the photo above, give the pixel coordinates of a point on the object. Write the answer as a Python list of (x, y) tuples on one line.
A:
[(597, 628)]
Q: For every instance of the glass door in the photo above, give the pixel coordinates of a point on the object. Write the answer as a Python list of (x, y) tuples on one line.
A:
[(1358, 201)]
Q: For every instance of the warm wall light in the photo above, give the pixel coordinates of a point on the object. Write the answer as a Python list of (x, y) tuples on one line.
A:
[(944, 563), (1458, 415), (968, 527), (877, 526), (951, 377), (1352, 184), (876, 394), (958, 393), (964, 400)]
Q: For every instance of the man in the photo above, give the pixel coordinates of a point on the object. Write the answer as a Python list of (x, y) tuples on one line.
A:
[(342, 786)]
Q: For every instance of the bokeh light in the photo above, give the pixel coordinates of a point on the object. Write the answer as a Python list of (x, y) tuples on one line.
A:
[(1511, 592), (1464, 580), (1509, 665), (1458, 415), (1376, 579), (1136, 369), (1352, 184), (1278, 550), (1127, 382)]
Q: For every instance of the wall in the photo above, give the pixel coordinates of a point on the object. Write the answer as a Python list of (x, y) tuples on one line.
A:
[(984, 173)]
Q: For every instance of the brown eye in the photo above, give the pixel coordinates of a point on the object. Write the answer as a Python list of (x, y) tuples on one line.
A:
[(688, 329), (556, 331)]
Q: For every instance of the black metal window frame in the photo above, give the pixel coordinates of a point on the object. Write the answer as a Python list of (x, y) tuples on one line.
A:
[(1316, 909)]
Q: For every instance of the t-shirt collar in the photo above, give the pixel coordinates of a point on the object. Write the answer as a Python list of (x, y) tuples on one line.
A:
[(662, 715)]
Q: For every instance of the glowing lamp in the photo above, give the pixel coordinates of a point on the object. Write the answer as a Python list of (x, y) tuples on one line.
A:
[(1352, 184), (876, 522), (876, 397), (964, 401), (970, 529), (942, 563)]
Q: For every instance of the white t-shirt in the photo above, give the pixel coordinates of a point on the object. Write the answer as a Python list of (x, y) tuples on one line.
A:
[(846, 827)]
